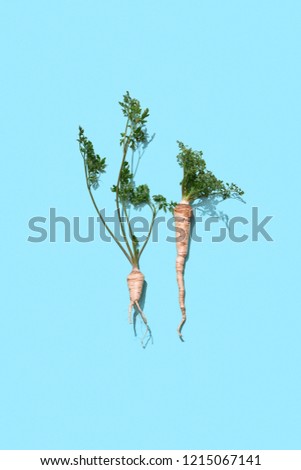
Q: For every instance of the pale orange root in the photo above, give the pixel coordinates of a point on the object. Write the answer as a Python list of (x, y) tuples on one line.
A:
[(182, 213), (135, 282)]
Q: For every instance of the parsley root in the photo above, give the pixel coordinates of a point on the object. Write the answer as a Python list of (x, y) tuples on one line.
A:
[(183, 214), (197, 184), (135, 282), (127, 194)]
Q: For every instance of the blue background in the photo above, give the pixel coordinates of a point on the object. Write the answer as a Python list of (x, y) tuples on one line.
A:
[(224, 77)]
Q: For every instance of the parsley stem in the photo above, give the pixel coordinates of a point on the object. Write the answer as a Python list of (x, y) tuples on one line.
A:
[(102, 219), (149, 233), (121, 222)]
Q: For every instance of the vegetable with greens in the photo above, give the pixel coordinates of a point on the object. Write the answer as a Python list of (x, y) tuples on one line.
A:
[(197, 184), (127, 194)]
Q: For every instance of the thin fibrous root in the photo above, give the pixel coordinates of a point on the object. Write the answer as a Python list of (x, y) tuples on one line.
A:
[(147, 330), (130, 312), (141, 312)]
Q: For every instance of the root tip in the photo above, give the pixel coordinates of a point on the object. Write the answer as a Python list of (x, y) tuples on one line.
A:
[(180, 336)]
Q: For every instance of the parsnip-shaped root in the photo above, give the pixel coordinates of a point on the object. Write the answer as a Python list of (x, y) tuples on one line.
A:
[(135, 282), (183, 214)]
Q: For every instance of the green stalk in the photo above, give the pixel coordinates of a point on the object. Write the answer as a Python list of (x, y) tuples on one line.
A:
[(149, 233), (135, 250), (102, 219), (125, 148)]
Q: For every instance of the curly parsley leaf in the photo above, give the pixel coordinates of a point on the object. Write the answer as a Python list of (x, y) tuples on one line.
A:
[(198, 182), (94, 164)]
